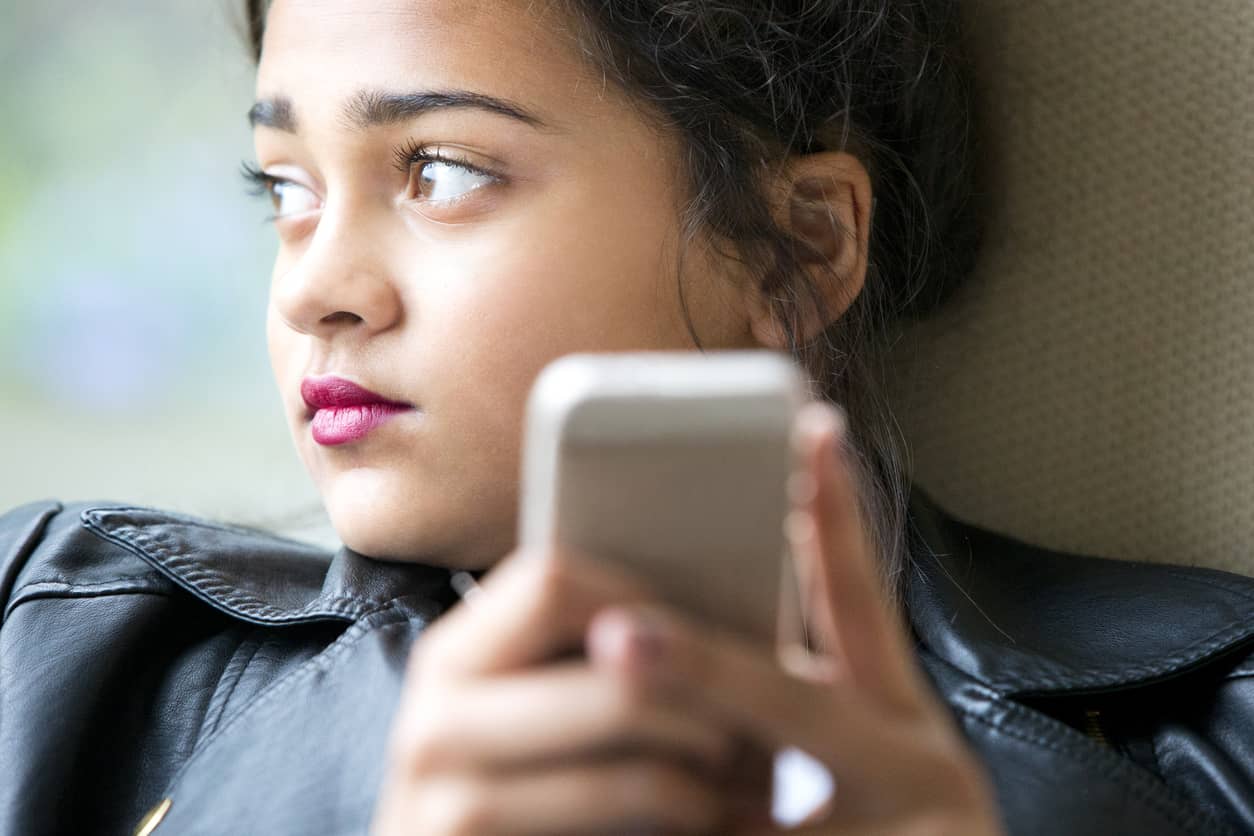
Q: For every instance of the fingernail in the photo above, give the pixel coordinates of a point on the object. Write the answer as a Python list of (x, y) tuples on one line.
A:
[(839, 422), (648, 636), (821, 418), (609, 636), (626, 638)]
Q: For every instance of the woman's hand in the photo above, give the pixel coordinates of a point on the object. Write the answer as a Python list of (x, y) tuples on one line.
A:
[(861, 707), (499, 730)]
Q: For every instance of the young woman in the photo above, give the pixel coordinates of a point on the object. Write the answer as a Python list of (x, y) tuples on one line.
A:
[(462, 192)]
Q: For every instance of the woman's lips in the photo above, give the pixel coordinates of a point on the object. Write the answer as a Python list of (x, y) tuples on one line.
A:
[(342, 424), (340, 411)]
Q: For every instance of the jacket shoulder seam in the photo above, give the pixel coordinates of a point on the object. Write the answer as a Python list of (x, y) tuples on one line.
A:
[(45, 590), (18, 554)]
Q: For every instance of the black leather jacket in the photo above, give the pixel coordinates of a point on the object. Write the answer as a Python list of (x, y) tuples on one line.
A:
[(147, 655)]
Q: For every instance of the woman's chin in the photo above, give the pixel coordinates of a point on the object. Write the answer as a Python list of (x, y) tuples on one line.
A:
[(377, 518), (379, 544), (379, 515)]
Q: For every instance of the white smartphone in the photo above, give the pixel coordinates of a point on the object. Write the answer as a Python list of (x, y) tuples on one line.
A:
[(676, 466)]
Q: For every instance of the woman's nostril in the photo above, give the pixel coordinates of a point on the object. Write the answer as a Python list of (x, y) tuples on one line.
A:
[(341, 315)]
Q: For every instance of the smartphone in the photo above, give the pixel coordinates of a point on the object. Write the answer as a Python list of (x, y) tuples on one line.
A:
[(674, 465)]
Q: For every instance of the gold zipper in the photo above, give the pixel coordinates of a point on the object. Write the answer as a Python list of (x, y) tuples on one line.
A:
[(1093, 726)]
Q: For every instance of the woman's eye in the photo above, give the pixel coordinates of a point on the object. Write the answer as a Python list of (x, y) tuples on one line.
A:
[(291, 198), (439, 180)]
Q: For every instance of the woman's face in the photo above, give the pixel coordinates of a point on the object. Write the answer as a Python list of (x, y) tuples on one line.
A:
[(550, 226)]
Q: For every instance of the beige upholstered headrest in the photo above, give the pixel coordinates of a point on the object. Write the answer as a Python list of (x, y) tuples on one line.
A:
[(1092, 387)]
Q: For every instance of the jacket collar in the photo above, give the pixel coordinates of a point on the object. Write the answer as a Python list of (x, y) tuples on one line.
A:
[(1022, 619), (1031, 621), (265, 579)]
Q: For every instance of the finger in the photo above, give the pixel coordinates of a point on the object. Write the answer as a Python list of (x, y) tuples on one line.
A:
[(860, 624), (875, 761), (741, 683), (562, 711), (532, 607), (617, 796)]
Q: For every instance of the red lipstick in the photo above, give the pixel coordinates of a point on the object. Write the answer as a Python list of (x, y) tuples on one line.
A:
[(340, 411)]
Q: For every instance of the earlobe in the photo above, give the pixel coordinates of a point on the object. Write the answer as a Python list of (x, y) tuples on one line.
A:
[(826, 206)]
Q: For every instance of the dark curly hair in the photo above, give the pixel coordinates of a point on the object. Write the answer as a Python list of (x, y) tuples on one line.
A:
[(747, 83)]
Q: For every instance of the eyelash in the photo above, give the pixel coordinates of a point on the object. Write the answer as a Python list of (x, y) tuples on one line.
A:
[(261, 184), (413, 152)]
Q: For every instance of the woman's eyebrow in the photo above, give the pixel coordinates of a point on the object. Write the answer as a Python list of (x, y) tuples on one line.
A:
[(274, 113), (370, 108)]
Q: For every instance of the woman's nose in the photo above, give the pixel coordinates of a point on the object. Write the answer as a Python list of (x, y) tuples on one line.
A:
[(340, 281)]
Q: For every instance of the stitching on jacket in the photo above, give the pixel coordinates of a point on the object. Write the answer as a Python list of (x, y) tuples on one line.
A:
[(1059, 737), (196, 572), (373, 620), (185, 519), (1054, 676), (1145, 787), (1188, 818), (1073, 678), (214, 583), (234, 672), (208, 584), (1243, 669)]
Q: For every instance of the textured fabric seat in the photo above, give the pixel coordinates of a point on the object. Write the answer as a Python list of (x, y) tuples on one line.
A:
[(1091, 388)]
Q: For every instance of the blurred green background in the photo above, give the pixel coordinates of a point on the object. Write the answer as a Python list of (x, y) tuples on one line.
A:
[(134, 268)]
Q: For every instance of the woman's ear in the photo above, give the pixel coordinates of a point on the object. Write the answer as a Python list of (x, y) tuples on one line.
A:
[(824, 201)]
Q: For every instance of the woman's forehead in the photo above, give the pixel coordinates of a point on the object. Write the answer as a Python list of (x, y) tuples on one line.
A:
[(320, 54)]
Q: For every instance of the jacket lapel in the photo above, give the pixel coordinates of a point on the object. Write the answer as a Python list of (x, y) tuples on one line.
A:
[(261, 578), (1029, 621)]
